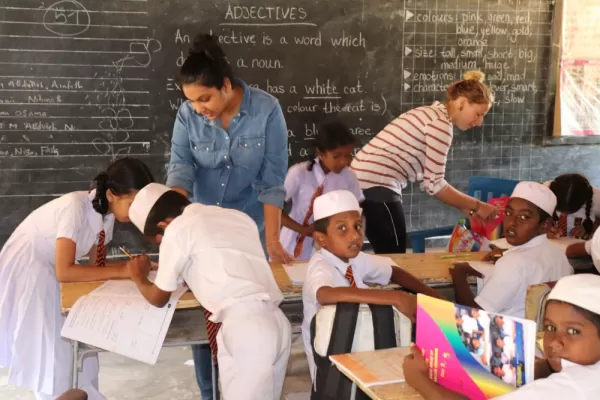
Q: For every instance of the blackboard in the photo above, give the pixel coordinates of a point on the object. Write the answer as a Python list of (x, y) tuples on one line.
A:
[(84, 82)]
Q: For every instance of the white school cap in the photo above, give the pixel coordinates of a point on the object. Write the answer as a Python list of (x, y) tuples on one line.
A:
[(536, 193), (582, 290), (143, 203), (334, 202)]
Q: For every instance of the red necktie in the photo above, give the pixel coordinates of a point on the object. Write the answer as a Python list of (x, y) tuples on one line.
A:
[(211, 331), (306, 222), (101, 250), (350, 276), (562, 224)]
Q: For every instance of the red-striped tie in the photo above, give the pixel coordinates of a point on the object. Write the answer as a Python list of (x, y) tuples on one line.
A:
[(562, 224), (101, 250), (350, 276), (211, 331), (306, 222)]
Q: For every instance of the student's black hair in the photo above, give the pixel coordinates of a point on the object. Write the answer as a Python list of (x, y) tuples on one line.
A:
[(333, 134), (573, 191), (169, 205), (590, 316), (206, 64), (544, 216), (121, 177), (321, 225)]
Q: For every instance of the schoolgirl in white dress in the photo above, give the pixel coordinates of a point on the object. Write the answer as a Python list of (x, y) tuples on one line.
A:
[(42, 252)]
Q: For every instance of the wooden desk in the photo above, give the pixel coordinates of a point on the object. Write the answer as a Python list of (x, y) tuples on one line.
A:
[(431, 268)]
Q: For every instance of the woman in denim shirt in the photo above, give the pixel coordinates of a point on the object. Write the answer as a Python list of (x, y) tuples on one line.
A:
[(229, 149)]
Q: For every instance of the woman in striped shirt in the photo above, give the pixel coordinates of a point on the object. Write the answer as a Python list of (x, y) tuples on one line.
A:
[(414, 148)]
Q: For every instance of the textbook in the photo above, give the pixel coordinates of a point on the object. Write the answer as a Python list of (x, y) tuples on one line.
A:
[(373, 368), (472, 352), (117, 318)]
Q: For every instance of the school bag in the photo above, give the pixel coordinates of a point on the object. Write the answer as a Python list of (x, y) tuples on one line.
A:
[(351, 327)]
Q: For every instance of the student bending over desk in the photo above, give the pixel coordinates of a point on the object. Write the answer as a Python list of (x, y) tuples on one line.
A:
[(42, 252), (571, 345), (531, 261), (217, 252), (338, 272)]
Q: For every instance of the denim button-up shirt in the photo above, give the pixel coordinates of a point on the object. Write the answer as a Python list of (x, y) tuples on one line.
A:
[(241, 168)]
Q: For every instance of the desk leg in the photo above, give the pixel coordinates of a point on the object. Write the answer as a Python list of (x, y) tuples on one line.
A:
[(75, 366), (215, 381)]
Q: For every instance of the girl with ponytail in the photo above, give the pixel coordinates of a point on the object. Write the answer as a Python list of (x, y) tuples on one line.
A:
[(328, 170), (41, 253), (576, 199)]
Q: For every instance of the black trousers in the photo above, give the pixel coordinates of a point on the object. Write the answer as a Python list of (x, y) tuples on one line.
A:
[(385, 225)]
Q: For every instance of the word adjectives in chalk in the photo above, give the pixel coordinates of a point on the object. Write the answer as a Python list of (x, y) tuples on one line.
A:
[(264, 13)]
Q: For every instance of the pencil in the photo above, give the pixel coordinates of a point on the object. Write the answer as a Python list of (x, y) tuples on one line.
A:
[(125, 252), (455, 256)]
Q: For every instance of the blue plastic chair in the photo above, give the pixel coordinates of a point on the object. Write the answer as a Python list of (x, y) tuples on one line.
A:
[(481, 188)]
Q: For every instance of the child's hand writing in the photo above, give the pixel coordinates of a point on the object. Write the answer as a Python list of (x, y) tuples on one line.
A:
[(494, 255), (415, 368), (139, 267), (554, 233), (407, 304), (578, 232)]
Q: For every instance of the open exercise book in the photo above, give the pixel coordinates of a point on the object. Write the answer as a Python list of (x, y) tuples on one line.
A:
[(116, 317), (478, 354), (373, 368)]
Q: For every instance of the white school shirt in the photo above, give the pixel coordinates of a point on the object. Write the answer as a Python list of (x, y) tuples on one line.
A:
[(534, 262), (574, 382), (217, 252), (300, 186), (412, 148), (31, 346), (325, 269), (592, 247), (594, 211)]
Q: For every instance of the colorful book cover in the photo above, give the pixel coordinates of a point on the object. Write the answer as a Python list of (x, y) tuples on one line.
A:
[(472, 352), (492, 230), (463, 240)]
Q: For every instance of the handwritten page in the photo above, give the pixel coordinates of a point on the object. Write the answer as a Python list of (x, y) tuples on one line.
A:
[(372, 368), (117, 318), (296, 272)]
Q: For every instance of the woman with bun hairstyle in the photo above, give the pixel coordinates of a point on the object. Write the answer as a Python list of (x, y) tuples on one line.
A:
[(229, 149), (41, 253), (414, 148), (229, 145)]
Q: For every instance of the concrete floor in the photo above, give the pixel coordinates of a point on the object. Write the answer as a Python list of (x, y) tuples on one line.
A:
[(125, 379)]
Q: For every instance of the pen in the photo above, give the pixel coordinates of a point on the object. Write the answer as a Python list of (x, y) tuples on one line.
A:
[(455, 256), (125, 252)]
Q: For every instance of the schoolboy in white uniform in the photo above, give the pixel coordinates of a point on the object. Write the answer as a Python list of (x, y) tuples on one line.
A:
[(217, 252), (532, 260), (592, 248), (338, 231), (571, 369)]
